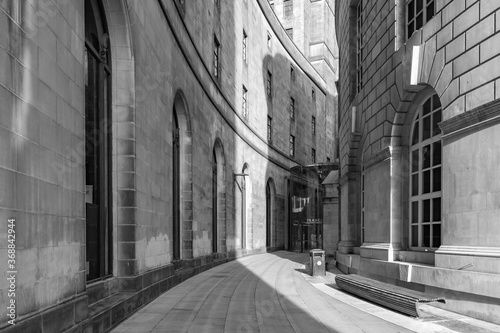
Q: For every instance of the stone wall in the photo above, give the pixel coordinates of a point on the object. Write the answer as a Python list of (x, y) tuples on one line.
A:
[(162, 63), (454, 56)]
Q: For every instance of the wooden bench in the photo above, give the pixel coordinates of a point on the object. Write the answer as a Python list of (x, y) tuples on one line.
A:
[(393, 297)]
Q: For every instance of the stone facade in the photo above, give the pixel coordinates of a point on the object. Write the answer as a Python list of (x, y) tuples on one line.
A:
[(162, 70), (385, 81)]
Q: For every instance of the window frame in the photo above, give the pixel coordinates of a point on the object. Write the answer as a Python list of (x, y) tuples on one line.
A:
[(269, 129), (292, 145), (216, 55), (244, 105), (359, 46), (292, 108), (313, 125), (287, 9), (423, 195), (426, 4), (269, 84), (244, 46)]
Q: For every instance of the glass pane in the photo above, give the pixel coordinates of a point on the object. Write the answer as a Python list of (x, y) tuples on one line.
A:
[(426, 182), (436, 235), (410, 29), (426, 157), (436, 119), (426, 239), (411, 10), (414, 212), (426, 108), (436, 102), (415, 137), (414, 160), (436, 153), (436, 209), (436, 180), (430, 11), (420, 5), (426, 210), (427, 128), (420, 21), (414, 235), (414, 184)]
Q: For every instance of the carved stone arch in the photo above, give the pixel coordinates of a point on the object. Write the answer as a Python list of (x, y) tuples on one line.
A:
[(400, 166), (182, 137), (117, 45), (219, 227), (405, 106)]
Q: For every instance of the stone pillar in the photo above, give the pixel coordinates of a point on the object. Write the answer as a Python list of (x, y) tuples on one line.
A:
[(349, 212)]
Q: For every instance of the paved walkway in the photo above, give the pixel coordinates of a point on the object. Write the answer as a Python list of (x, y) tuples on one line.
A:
[(271, 293)]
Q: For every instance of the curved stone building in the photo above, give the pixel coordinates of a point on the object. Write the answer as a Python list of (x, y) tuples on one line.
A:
[(419, 149), (146, 141)]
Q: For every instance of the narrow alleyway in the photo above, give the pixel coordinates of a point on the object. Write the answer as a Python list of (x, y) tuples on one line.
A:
[(271, 293)]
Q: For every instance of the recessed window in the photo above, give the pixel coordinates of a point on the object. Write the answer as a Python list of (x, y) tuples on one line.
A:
[(269, 38), (292, 145), (292, 73), (269, 129), (244, 105), (289, 32), (292, 108), (245, 37), (313, 125), (313, 155), (425, 176), (216, 57), (98, 194), (288, 8), (418, 13), (313, 95), (269, 83)]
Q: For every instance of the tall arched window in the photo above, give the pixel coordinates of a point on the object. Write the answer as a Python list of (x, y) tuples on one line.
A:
[(97, 74), (244, 207), (425, 176), (269, 214), (176, 188), (214, 203)]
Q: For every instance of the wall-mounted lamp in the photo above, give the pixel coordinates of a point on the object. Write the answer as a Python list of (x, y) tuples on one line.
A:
[(242, 187)]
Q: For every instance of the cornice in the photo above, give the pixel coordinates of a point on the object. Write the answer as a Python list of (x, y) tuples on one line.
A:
[(472, 120)]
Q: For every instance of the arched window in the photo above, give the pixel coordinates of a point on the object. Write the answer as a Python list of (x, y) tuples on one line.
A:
[(97, 74), (269, 214), (214, 203), (176, 188), (425, 176), (244, 207)]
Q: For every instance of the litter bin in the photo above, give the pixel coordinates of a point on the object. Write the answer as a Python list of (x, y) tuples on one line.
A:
[(317, 262)]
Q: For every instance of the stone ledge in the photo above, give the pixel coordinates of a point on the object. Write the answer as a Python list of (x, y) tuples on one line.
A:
[(471, 120)]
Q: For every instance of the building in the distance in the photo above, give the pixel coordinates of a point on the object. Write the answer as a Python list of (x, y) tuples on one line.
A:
[(419, 147), (143, 142)]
